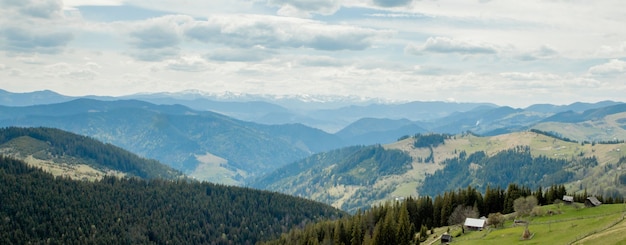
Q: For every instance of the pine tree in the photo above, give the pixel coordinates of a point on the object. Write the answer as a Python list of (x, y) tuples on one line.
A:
[(404, 233), (356, 237)]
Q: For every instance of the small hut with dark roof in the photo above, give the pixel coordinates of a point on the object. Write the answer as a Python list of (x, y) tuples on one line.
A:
[(592, 202)]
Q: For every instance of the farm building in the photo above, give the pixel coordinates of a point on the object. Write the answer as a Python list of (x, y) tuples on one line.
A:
[(474, 224), (568, 199), (592, 202)]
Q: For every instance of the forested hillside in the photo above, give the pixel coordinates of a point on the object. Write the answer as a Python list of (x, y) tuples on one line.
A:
[(61, 147), (325, 177), (430, 164), (38, 208), (516, 165)]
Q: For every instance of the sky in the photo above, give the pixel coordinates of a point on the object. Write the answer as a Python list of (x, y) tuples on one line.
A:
[(507, 52)]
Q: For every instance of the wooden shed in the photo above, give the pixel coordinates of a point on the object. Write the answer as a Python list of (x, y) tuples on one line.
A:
[(474, 224), (592, 202), (568, 199)]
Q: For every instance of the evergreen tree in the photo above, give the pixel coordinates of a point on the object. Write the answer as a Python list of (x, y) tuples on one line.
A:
[(404, 232)]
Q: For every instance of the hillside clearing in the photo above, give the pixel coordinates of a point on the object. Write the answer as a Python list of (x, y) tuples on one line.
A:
[(599, 225)]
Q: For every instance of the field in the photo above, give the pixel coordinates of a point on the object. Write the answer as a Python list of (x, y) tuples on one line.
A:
[(569, 224)]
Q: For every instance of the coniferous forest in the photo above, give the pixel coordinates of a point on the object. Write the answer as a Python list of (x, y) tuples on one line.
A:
[(396, 222), (37, 208)]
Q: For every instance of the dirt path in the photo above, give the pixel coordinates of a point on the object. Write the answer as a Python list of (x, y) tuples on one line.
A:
[(612, 231)]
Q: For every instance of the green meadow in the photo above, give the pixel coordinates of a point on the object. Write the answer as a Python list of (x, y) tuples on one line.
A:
[(555, 224)]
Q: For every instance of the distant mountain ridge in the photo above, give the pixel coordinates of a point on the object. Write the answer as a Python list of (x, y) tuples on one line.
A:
[(335, 113), (31, 98), (188, 140)]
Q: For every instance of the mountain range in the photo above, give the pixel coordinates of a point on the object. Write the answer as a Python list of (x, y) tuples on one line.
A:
[(206, 136), (202, 144)]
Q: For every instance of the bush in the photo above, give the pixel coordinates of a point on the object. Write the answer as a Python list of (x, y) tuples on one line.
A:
[(538, 211), (496, 220)]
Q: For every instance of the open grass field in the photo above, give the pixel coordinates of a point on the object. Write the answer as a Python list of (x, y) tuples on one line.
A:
[(568, 225), (604, 129)]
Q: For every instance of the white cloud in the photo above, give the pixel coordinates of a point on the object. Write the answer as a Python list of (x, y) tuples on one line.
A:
[(282, 32), (530, 76), (22, 40), (45, 9), (507, 52), (158, 38), (610, 51), (392, 3), (70, 72), (319, 61), (256, 53), (613, 67), (188, 64), (445, 45), (544, 52), (76, 3), (32, 26), (304, 8)]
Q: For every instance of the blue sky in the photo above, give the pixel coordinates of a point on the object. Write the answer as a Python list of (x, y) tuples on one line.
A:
[(506, 52)]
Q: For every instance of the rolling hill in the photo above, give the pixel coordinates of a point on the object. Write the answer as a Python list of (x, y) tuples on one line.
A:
[(202, 144), (601, 124), (69, 155), (367, 131), (455, 161)]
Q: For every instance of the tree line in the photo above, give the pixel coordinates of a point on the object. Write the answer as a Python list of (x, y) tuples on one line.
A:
[(409, 221), (430, 140), (516, 165)]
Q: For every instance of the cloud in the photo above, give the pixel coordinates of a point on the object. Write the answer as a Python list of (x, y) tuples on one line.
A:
[(33, 26), (158, 38), (155, 37), (530, 76), (45, 9), (544, 52), (304, 8), (392, 3), (240, 55), (154, 54), (187, 63), (613, 67), (445, 45), (34, 41), (281, 32), (72, 72), (319, 61), (618, 50)]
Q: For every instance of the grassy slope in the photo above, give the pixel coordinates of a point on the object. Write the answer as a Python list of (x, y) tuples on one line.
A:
[(596, 180), (540, 145), (36, 153), (608, 128), (600, 225)]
